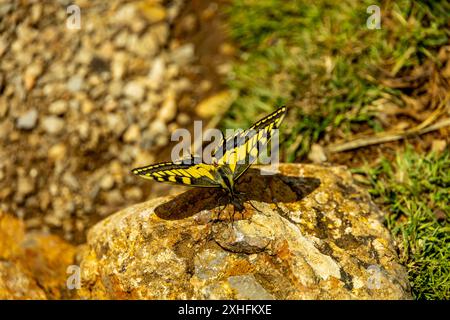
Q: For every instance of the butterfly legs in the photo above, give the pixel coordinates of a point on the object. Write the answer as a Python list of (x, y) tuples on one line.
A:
[(239, 196), (225, 195), (231, 199), (237, 199)]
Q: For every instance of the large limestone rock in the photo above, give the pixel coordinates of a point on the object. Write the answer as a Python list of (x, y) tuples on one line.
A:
[(317, 236)]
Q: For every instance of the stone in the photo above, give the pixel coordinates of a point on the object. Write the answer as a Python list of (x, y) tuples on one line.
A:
[(183, 54), (75, 83), (183, 119), (119, 64), (87, 106), (156, 134), (32, 72), (16, 283), (110, 105), (53, 125), (161, 31), (115, 88), (133, 194), (152, 11), (125, 14), (116, 124), (70, 181), (25, 186), (172, 72), (114, 197), (248, 288), (181, 85), (83, 129), (58, 107), (74, 105), (28, 120), (32, 265), (3, 104), (146, 46), (138, 25), (134, 90), (84, 56), (315, 235), (156, 74), (107, 182), (168, 109), (12, 232), (132, 134)]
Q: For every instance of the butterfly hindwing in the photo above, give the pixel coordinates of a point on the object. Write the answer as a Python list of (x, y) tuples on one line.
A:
[(189, 174)]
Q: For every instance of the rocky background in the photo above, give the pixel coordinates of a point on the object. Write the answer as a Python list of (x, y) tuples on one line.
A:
[(79, 108)]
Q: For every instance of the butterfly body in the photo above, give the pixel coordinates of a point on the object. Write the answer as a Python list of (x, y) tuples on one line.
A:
[(231, 159)]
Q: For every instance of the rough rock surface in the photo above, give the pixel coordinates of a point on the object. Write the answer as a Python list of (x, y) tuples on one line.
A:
[(32, 265), (317, 236)]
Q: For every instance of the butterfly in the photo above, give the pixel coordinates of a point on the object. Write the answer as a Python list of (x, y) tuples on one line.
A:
[(232, 157)]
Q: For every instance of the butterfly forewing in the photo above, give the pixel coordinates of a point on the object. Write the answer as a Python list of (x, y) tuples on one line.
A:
[(190, 174), (242, 149)]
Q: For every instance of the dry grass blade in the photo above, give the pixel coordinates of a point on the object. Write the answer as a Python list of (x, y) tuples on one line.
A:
[(384, 137)]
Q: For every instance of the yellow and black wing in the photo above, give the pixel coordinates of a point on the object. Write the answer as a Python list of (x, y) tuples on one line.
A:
[(242, 149), (189, 174)]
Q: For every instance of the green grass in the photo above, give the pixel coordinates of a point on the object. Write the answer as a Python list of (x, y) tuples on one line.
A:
[(415, 190), (320, 59)]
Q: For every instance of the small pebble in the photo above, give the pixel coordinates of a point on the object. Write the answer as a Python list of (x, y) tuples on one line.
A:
[(28, 120), (58, 107), (168, 109), (132, 134), (75, 83), (134, 90), (107, 182), (53, 125)]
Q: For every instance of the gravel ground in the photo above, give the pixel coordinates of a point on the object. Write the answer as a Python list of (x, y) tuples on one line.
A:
[(79, 108)]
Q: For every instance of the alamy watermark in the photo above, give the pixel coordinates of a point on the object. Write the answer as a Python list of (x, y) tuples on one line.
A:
[(374, 20), (73, 21), (73, 281)]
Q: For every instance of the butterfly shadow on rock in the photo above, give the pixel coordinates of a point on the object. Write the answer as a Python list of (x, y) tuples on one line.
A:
[(253, 186)]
